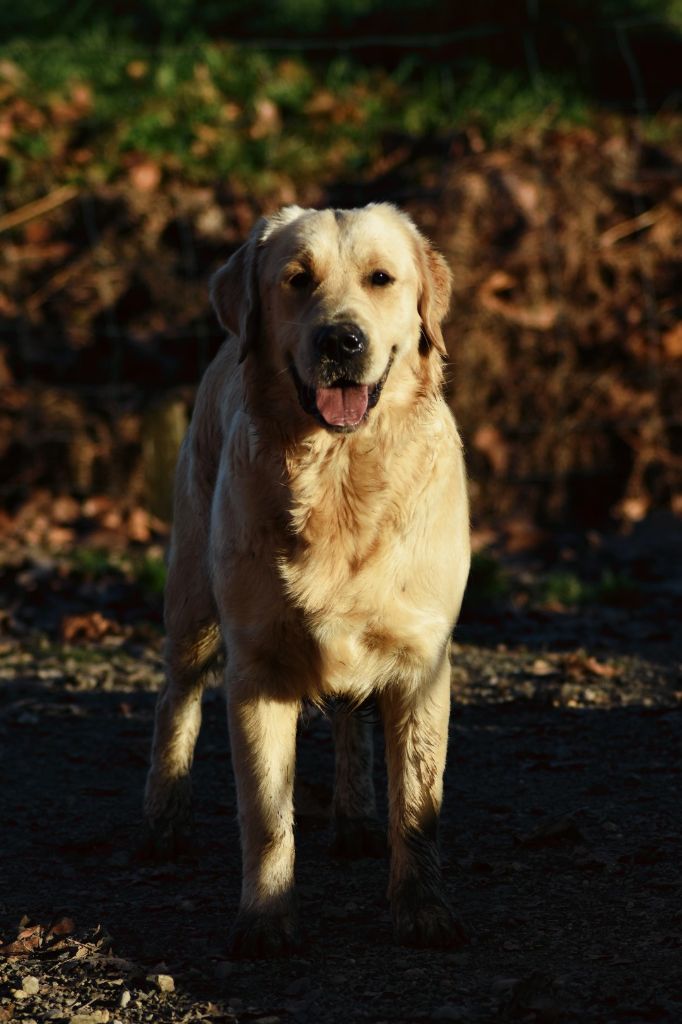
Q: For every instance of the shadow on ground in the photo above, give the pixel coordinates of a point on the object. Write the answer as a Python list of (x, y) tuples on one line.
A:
[(560, 833)]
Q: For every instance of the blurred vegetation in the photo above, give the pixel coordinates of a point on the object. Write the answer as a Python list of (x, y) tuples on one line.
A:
[(307, 88), (146, 567), (535, 142), (87, 111), (492, 583)]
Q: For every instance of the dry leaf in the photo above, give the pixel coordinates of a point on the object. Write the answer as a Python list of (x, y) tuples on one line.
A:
[(598, 668), (27, 941), (489, 440), (552, 833), (62, 925), (146, 177), (90, 626)]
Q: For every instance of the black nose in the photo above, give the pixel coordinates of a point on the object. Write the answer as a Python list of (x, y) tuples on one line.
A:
[(339, 342)]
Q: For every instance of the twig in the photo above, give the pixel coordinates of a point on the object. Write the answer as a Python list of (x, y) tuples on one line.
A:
[(629, 227), (38, 207)]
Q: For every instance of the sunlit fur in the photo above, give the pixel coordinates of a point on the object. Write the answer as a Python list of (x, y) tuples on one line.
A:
[(324, 563)]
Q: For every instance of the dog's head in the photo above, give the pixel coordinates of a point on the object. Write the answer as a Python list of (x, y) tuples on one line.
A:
[(341, 302)]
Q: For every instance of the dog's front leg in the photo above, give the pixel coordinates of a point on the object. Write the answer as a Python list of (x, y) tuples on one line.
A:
[(416, 734), (263, 742)]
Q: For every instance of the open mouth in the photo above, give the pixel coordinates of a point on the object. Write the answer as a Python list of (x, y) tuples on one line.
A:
[(341, 406)]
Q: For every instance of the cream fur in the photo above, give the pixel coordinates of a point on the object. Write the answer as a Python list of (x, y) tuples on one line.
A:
[(325, 563)]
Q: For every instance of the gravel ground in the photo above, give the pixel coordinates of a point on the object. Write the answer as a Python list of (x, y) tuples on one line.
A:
[(560, 833)]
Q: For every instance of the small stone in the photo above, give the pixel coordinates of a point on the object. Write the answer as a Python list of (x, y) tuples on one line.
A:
[(448, 1012), (125, 998), (298, 986), (31, 985), (165, 983), (20, 994)]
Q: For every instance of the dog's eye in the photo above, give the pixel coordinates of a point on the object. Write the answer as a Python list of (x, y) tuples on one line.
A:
[(301, 280), (380, 278)]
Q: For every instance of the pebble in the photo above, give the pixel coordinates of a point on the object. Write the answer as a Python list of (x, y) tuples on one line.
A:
[(298, 986), (223, 969), (125, 998), (165, 983), (448, 1012), (93, 1017), (31, 985)]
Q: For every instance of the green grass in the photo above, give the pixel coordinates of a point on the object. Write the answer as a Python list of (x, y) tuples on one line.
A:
[(148, 570), (150, 573), (569, 590), (217, 111), (488, 582)]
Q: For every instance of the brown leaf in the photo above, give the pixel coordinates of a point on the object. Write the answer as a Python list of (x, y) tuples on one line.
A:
[(578, 665), (61, 925), (146, 176), (27, 941), (91, 626), (672, 342), (490, 441), (267, 120), (557, 832), (598, 668), (138, 525)]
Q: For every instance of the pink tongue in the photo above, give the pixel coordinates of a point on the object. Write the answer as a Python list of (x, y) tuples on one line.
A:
[(342, 407)]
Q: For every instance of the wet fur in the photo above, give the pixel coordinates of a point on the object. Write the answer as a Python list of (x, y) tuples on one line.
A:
[(324, 564)]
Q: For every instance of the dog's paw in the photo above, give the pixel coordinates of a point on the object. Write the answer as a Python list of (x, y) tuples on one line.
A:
[(162, 841), (170, 822), (256, 936), (423, 918), (357, 837)]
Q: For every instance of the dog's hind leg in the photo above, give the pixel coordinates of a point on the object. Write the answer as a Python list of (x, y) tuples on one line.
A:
[(357, 832), (192, 647)]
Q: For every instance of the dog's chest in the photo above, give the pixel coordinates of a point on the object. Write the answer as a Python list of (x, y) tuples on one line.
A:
[(358, 572)]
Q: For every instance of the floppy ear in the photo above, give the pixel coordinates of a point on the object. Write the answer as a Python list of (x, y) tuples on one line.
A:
[(434, 297), (234, 292)]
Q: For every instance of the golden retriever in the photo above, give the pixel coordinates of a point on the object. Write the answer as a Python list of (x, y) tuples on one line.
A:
[(321, 542)]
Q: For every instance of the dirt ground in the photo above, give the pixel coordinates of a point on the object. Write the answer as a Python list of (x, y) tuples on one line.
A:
[(560, 832)]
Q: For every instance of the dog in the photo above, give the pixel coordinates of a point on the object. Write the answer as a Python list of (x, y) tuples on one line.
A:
[(321, 543)]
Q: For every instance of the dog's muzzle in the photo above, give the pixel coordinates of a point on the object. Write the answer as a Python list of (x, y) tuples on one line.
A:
[(339, 404)]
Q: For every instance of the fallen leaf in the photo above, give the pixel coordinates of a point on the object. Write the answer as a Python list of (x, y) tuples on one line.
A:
[(146, 176), (598, 668), (557, 832), (61, 925), (90, 626), (490, 441), (27, 941)]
